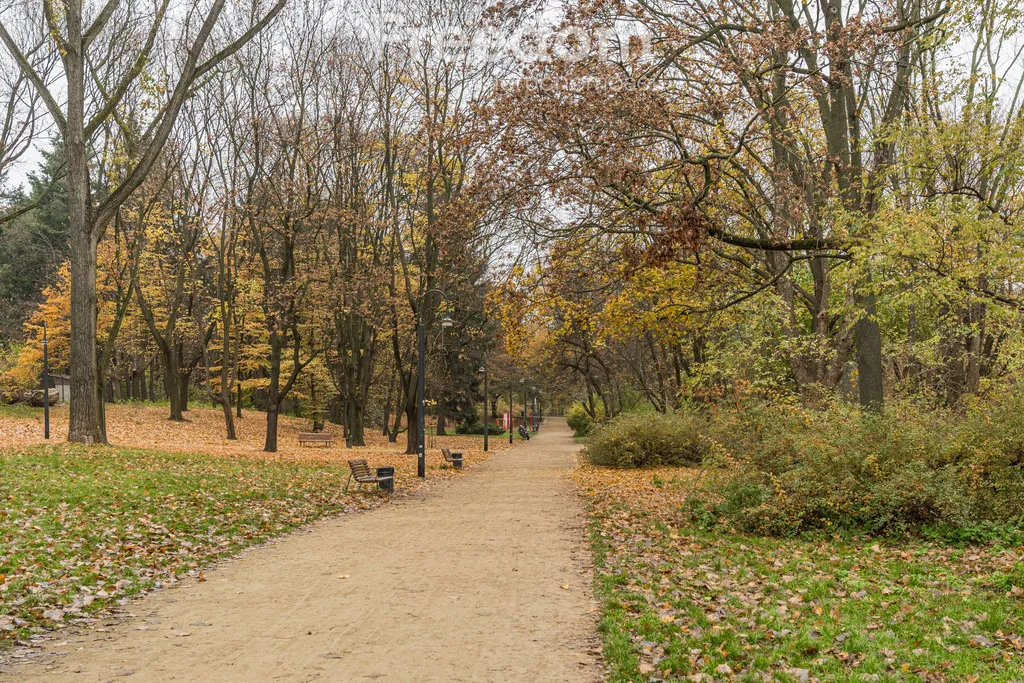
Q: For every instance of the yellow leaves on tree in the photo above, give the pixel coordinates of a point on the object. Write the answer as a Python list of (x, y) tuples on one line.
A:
[(55, 312)]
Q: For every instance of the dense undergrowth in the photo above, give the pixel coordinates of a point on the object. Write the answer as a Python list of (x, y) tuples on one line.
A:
[(650, 440), (956, 475)]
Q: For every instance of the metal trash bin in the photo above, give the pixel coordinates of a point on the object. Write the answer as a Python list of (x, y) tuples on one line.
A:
[(457, 460), (388, 484)]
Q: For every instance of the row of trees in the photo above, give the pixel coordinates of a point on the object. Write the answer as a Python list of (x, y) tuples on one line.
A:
[(267, 215), (813, 198)]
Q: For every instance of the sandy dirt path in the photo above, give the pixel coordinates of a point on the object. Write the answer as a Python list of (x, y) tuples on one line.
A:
[(462, 584)]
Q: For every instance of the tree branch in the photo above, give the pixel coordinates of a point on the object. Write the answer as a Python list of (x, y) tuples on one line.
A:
[(805, 244), (34, 78), (100, 22)]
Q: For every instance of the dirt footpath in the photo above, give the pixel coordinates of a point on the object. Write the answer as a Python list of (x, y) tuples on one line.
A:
[(463, 584)]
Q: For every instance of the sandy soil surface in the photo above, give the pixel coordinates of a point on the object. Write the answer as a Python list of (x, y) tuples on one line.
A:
[(486, 578)]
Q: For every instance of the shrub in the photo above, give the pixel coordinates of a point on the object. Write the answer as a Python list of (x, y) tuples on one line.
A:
[(477, 429), (905, 469), (648, 441), (579, 420)]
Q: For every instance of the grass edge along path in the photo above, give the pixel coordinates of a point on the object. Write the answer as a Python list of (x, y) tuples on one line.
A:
[(682, 599), (85, 529)]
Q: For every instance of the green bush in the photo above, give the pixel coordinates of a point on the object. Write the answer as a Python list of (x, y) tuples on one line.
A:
[(579, 420), (648, 441), (905, 469), (477, 429)]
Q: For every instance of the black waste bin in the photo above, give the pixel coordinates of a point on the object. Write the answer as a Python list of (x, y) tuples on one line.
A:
[(457, 460), (388, 484)]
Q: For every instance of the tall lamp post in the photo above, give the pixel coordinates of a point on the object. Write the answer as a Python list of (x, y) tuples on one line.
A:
[(421, 453), (533, 413), (511, 415), (46, 384), (526, 400), (487, 422)]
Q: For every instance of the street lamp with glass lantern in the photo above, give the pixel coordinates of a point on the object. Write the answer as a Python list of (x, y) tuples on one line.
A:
[(446, 322)]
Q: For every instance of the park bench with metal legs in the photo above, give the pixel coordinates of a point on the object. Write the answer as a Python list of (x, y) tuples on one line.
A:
[(454, 458), (361, 472), (316, 437)]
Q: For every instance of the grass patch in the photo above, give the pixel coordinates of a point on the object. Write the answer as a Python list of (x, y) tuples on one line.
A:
[(20, 410), (681, 598), (83, 528)]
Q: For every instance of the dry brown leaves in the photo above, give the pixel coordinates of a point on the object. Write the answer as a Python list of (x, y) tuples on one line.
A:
[(134, 426)]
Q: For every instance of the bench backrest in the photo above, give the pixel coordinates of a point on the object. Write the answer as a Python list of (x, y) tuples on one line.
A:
[(315, 436), (360, 469)]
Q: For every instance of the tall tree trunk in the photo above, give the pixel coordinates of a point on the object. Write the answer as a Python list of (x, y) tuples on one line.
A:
[(225, 394), (172, 380), (85, 425), (229, 420), (868, 338), (356, 423), (270, 445), (138, 379), (411, 415), (85, 415), (273, 395), (183, 387), (397, 426), (441, 428), (974, 346), (387, 407)]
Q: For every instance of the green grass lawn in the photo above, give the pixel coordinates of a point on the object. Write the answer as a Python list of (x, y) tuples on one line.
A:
[(20, 410), (683, 599), (82, 528)]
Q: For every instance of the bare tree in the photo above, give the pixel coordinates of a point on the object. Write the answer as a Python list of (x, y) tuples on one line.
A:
[(21, 115), (105, 50)]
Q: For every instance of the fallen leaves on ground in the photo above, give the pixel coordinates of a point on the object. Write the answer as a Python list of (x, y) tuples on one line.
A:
[(689, 600), (147, 426)]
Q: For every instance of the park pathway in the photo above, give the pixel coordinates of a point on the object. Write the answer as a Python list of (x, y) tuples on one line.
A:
[(462, 584)]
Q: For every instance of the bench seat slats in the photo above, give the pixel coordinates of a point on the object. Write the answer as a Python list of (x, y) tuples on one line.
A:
[(361, 472)]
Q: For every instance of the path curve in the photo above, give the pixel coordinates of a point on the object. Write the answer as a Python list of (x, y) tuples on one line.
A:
[(462, 584)]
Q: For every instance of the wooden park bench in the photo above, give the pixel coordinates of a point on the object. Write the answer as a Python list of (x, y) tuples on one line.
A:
[(454, 458), (361, 472), (315, 437)]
